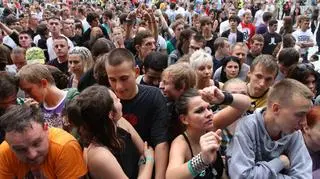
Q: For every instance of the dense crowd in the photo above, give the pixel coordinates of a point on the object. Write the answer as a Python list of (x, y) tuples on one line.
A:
[(160, 89)]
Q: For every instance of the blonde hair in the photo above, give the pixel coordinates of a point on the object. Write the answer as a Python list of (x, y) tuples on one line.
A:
[(85, 56), (199, 58), (182, 75), (34, 73)]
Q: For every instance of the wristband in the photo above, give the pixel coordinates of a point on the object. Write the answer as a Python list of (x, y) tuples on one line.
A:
[(228, 99), (149, 159), (196, 165)]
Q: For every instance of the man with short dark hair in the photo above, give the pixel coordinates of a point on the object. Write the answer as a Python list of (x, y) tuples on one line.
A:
[(286, 59), (61, 48), (256, 44), (93, 20), (55, 27), (197, 42), (153, 65), (271, 38), (233, 34), (222, 50), (33, 150), (143, 106), (263, 27), (269, 143), (144, 43)]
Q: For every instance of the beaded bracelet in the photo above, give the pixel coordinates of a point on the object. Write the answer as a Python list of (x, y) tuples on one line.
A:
[(150, 159), (196, 165)]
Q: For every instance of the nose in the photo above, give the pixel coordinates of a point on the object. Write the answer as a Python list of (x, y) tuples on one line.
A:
[(32, 154), (119, 86), (153, 47), (262, 83)]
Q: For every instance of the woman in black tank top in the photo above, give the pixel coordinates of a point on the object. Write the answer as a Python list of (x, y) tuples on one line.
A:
[(195, 153), (111, 150)]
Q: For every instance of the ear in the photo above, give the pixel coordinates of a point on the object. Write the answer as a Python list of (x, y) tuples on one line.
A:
[(137, 71), (44, 83), (183, 119), (111, 115), (306, 129), (137, 47), (275, 108), (143, 70)]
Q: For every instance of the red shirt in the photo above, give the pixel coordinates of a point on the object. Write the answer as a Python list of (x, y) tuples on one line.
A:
[(248, 31)]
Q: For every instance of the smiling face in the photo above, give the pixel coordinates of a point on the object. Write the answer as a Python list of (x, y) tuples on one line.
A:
[(199, 115), (30, 146)]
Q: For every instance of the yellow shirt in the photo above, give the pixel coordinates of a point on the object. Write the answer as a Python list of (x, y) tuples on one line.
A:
[(64, 160), (258, 102)]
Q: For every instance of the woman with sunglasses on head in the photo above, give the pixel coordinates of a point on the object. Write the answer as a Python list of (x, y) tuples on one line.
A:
[(195, 153), (108, 138)]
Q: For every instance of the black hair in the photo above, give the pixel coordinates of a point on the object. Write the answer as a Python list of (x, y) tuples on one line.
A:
[(156, 61), (223, 76), (288, 57), (183, 101), (266, 16), (91, 17), (301, 72)]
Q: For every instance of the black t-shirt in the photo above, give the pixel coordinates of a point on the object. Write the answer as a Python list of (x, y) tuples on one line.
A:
[(270, 42), (148, 114), (86, 80), (250, 59), (61, 66), (210, 44)]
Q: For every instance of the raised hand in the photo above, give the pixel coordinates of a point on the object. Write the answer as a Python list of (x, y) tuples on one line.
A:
[(210, 144), (212, 95)]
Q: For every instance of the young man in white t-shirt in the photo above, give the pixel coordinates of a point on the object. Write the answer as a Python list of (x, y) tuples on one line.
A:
[(304, 37)]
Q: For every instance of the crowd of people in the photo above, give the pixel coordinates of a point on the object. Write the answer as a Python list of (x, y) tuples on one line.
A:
[(160, 89)]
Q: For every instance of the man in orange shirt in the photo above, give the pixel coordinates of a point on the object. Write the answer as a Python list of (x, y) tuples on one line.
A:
[(33, 150)]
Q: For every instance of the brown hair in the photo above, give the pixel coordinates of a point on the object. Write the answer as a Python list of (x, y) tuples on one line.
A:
[(182, 75), (34, 73)]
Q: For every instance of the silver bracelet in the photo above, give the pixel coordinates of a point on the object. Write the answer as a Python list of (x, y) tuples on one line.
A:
[(197, 164)]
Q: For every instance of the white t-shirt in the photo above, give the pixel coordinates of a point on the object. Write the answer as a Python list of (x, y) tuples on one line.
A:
[(85, 24), (161, 43), (232, 38), (52, 54), (7, 40), (301, 36), (258, 17), (224, 26)]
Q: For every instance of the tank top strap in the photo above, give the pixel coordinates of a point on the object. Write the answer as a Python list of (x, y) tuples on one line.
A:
[(188, 142)]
